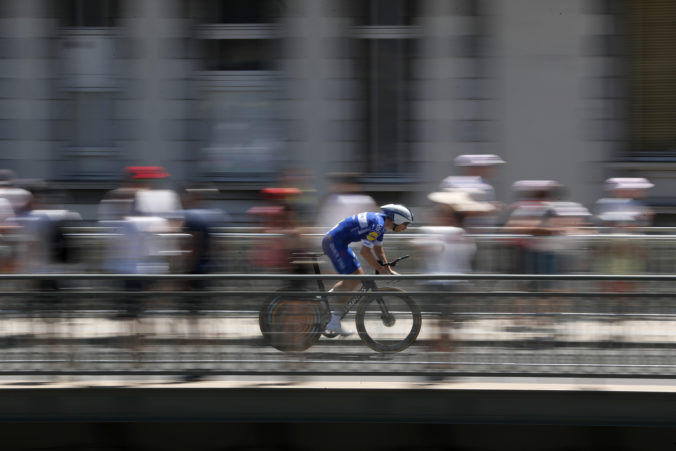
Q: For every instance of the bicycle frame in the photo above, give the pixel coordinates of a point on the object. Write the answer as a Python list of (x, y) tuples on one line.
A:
[(354, 300), (367, 285), (303, 331)]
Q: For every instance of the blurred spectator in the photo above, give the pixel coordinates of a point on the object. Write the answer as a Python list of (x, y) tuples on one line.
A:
[(569, 225), (43, 248), (119, 202), (199, 222), (138, 249), (141, 193), (447, 249), (622, 215), (304, 202), (274, 251), (344, 200), (44, 241), (13, 200), (16, 196), (625, 206), (532, 215), (7, 242), (551, 227), (476, 172), (146, 218), (199, 226)]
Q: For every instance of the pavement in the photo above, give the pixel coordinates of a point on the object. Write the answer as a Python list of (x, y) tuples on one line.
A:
[(505, 329)]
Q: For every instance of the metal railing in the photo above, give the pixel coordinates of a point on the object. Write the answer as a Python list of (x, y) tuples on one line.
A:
[(485, 324), (252, 251)]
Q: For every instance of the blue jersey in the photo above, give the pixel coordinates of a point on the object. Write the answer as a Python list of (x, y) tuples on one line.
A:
[(367, 227)]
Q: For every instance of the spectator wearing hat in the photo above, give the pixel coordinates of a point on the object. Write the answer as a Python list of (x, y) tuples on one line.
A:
[(12, 201), (532, 216), (17, 197), (622, 213), (141, 194), (7, 231), (274, 251), (551, 230), (625, 207), (145, 217), (446, 248), (476, 171)]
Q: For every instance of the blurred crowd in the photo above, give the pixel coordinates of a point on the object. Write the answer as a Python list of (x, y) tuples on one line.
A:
[(152, 229), (144, 227)]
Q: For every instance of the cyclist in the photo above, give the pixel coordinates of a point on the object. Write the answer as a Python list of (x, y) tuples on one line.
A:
[(368, 227)]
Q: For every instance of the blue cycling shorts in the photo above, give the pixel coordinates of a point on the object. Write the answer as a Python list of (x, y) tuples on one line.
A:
[(343, 258)]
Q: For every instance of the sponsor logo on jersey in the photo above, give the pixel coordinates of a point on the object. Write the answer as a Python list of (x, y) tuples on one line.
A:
[(372, 236)]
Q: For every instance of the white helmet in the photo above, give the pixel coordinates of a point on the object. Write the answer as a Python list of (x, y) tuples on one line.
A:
[(398, 213)]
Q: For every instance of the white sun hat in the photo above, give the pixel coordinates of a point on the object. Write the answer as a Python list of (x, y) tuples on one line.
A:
[(461, 200), (535, 185), (616, 183), (483, 159)]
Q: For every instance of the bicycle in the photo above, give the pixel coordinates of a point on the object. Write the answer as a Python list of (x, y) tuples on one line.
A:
[(388, 321)]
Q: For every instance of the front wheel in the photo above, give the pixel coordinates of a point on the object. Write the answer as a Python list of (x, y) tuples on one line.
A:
[(291, 324), (388, 321)]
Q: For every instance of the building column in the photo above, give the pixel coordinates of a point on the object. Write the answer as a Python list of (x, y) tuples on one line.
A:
[(152, 106), (542, 64), (25, 82), (318, 73), (451, 87)]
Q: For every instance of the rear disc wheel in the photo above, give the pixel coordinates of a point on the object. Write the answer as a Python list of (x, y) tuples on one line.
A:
[(291, 324)]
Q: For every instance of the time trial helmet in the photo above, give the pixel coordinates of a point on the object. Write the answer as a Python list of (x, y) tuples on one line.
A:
[(398, 213)]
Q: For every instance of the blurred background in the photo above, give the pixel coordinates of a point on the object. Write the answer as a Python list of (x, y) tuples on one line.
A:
[(143, 140), (174, 137), (242, 94)]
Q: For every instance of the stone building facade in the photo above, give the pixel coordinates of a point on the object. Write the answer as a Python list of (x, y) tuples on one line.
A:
[(235, 93)]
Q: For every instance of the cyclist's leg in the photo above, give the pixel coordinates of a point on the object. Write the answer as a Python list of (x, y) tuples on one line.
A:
[(337, 302), (345, 262)]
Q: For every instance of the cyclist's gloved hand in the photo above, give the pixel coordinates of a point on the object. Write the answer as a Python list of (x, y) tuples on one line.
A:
[(387, 270)]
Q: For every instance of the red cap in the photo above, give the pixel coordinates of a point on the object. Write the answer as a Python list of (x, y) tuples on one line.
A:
[(146, 172), (279, 193), (266, 210)]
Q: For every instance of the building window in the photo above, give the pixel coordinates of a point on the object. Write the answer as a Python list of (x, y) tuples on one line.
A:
[(385, 69), (244, 136), (386, 43), (92, 120), (89, 153), (383, 12), (240, 121), (89, 13), (237, 11), (652, 103), (239, 54)]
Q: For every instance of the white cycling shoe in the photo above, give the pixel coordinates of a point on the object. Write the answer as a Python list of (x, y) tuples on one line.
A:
[(334, 327)]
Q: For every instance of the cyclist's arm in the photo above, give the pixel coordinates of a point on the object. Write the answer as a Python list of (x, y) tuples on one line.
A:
[(380, 253), (370, 258), (373, 260)]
